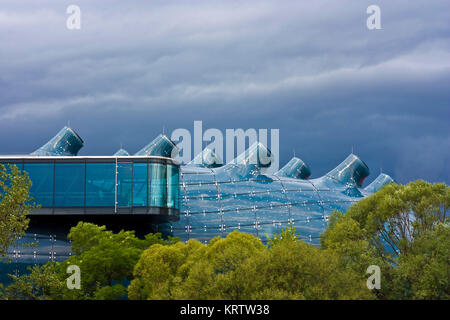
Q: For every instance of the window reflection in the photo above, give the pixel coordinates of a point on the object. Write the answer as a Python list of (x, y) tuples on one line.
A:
[(81, 183), (124, 183), (69, 184), (140, 184), (158, 184), (100, 180), (41, 175)]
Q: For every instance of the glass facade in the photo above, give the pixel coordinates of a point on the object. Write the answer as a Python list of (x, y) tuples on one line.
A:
[(209, 201), (41, 175), (205, 198), (140, 185), (157, 174), (124, 184), (241, 195), (65, 143), (69, 184), (141, 182), (218, 201), (100, 184)]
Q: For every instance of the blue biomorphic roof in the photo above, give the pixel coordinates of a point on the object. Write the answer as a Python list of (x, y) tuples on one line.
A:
[(211, 199), (241, 195)]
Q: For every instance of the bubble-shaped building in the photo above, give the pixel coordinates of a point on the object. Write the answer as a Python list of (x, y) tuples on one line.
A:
[(150, 191)]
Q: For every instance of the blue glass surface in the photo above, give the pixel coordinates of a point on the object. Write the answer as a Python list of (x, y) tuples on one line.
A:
[(69, 184), (93, 183), (157, 174), (121, 152), (295, 168), (124, 184), (100, 181), (65, 143), (240, 195), (173, 187), (41, 175), (212, 199), (140, 184), (161, 146)]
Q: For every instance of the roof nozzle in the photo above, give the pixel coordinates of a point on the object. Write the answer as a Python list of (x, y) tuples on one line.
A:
[(257, 155), (121, 153), (66, 143), (378, 183), (161, 146), (207, 158), (296, 168), (251, 162), (351, 170)]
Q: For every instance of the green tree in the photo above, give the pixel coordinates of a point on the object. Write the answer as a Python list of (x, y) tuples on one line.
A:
[(289, 233), (296, 270), (42, 283), (396, 228), (241, 267), (212, 276), (106, 259), (106, 262), (193, 270), (424, 273), (14, 206), (161, 270)]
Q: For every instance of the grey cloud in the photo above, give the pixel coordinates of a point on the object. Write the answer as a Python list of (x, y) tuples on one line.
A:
[(311, 69)]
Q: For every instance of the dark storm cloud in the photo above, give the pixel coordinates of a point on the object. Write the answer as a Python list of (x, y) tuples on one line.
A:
[(311, 69)]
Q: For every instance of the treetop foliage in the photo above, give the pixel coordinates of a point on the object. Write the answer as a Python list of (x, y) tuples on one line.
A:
[(14, 206), (402, 229)]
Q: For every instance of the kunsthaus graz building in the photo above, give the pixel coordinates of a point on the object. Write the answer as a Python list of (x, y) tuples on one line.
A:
[(151, 192)]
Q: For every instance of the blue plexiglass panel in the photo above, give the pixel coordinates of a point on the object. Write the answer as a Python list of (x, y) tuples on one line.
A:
[(124, 184), (140, 171), (173, 187), (69, 184), (100, 180), (157, 184), (41, 175)]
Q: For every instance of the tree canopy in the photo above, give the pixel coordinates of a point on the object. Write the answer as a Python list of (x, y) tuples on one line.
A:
[(241, 267), (106, 261), (14, 206), (402, 229)]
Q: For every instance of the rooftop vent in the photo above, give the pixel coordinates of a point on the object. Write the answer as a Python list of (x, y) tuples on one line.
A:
[(295, 168), (251, 162), (66, 143), (378, 183), (207, 158), (121, 152), (351, 170), (161, 146)]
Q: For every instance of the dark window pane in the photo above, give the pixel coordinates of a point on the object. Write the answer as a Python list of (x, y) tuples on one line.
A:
[(124, 175), (69, 185), (140, 185), (41, 175), (158, 185), (100, 180), (173, 182)]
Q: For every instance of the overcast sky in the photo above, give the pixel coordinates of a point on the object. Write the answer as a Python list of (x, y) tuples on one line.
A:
[(309, 68)]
